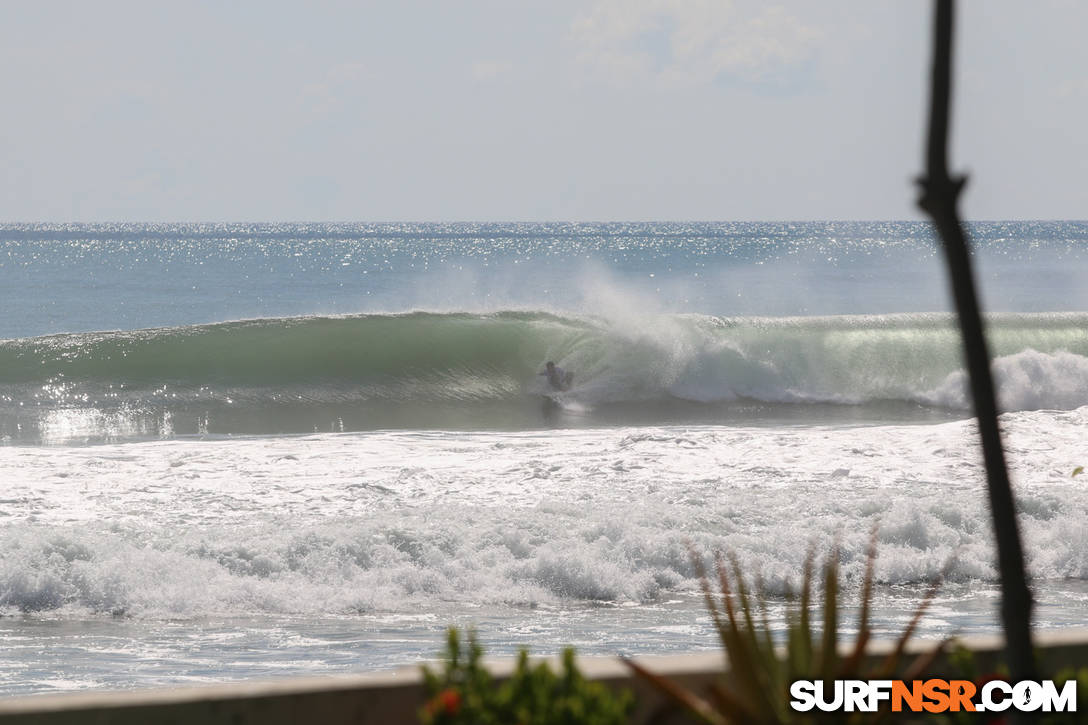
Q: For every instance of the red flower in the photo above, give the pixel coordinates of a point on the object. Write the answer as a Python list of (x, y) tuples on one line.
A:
[(447, 702)]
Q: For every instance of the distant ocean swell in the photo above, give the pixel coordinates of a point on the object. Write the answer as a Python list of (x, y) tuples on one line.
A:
[(488, 363)]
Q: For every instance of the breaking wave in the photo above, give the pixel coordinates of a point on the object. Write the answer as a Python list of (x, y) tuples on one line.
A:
[(400, 370)]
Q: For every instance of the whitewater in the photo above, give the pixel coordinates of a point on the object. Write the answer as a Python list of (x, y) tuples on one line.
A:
[(237, 451)]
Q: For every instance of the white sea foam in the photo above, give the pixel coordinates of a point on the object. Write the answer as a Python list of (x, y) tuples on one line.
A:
[(1027, 380), (394, 522)]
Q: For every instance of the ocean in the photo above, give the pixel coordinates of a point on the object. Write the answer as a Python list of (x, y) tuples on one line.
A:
[(233, 451)]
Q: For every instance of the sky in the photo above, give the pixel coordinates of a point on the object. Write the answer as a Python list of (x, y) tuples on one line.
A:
[(504, 110)]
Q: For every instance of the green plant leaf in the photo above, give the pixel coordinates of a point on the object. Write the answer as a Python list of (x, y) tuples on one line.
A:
[(756, 690), (829, 642), (464, 693)]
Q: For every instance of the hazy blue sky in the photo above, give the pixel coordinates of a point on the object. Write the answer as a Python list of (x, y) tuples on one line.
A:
[(491, 110)]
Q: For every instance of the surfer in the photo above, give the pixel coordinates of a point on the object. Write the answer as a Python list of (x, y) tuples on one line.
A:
[(558, 378)]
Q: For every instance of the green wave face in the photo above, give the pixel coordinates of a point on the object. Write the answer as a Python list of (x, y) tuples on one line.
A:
[(281, 351), (484, 366)]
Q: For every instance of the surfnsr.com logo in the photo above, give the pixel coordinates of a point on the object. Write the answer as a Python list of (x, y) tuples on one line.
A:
[(933, 696)]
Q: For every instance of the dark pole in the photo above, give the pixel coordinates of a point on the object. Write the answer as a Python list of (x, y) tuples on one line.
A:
[(940, 194)]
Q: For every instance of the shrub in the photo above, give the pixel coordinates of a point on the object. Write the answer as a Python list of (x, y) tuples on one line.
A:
[(463, 692), (758, 688)]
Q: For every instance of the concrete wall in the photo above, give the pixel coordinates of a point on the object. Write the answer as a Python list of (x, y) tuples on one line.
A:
[(396, 697)]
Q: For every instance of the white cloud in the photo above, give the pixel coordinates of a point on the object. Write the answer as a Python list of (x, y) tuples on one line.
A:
[(691, 42)]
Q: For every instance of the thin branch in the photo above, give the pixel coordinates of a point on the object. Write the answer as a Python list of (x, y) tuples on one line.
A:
[(940, 195)]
